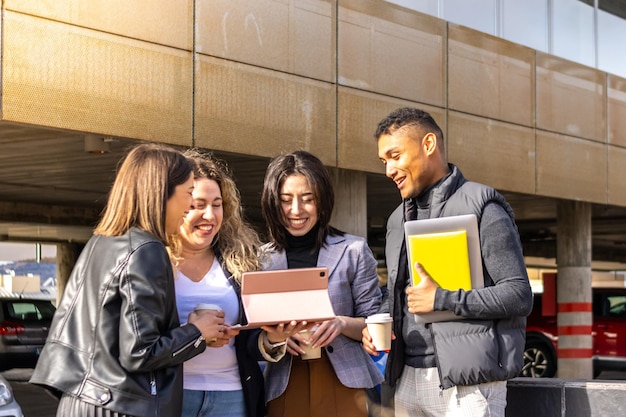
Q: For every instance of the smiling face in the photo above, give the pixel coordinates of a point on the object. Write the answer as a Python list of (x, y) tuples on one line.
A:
[(204, 221), (407, 160), (298, 205), (178, 205)]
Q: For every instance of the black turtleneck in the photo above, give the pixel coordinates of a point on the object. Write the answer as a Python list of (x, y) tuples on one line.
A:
[(301, 251), (419, 207)]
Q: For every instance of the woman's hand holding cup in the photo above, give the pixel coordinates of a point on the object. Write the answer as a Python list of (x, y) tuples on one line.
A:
[(209, 319)]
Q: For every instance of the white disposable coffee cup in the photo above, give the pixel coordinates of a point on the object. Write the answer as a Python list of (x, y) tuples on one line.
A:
[(379, 327), (199, 308), (310, 352), (206, 306)]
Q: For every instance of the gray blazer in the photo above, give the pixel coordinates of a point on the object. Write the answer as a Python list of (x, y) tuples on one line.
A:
[(354, 292)]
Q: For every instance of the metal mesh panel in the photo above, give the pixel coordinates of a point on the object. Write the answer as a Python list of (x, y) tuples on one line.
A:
[(560, 83), (571, 167), (67, 77), (164, 22), (291, 36), (247, 109)]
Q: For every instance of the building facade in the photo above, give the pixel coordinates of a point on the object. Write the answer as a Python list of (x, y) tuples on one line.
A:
[(530, 109)]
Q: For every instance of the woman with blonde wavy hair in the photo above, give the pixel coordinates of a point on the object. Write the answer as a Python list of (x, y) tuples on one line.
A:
[(214, 248)]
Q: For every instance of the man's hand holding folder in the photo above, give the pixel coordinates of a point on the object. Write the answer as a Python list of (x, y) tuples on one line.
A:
[(444, 252), (421, 298)]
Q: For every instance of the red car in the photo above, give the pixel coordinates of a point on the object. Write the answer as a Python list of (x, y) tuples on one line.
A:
[(608, 332)]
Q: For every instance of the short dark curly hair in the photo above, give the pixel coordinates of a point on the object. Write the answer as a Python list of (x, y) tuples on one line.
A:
[(409, 116)]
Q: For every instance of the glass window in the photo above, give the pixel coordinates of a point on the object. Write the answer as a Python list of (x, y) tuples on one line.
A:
[(614, 7), (611, 36), (430, 7), (476, 14), (31, 310), (526, 22), (617, 306), (572, 31)]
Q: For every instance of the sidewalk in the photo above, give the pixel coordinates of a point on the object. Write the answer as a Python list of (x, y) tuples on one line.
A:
[(37, 402)]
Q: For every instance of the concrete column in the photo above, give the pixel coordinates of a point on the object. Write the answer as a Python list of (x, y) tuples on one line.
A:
[(67, 254), (574, 298), (350, 213)]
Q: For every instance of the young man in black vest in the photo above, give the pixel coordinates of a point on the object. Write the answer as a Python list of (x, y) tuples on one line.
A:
[(457, 367)]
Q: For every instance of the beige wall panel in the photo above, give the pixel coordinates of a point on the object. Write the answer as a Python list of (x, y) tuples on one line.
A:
[(359, 113), (61, 76), (255, 111), (295, 36), (570, 98), (164, 22), (499, 154), (571, 168), (490, 77), (391, 50), (616, 175), (617, 110)]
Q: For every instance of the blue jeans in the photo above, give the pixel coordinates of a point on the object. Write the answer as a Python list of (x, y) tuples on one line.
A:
[(213, 403)]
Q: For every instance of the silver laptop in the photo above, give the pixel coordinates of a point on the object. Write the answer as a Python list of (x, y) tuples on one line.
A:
[(466, 225)]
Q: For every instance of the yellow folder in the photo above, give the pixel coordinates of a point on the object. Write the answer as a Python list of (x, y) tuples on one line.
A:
[(444, 256)]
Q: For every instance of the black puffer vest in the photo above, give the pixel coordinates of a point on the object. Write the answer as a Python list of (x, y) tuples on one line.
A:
[(467, 351)]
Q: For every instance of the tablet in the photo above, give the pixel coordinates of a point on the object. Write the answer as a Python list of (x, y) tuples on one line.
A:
[(280, 296), (449, 250)]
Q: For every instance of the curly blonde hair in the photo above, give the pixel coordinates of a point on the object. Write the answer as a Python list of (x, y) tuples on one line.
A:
[(237, 243)]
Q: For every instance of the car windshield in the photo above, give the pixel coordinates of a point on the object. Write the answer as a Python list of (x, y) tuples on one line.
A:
[(30, 310)]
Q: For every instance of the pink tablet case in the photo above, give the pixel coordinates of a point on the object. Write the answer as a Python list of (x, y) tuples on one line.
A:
[(280, 296)]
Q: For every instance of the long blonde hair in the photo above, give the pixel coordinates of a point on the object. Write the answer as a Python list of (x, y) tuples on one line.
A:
[(237, 243), (146, 179)]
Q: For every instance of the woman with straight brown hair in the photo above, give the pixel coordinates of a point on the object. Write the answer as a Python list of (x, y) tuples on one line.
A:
[(116, 347)]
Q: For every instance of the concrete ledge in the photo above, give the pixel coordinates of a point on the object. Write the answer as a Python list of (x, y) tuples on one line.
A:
[(553, 397)]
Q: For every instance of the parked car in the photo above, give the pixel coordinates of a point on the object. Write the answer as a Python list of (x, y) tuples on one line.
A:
[(608, 333), (8, 406), (24, 326)]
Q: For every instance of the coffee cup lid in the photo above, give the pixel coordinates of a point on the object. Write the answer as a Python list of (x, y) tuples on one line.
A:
[(311, 330), (207, 306), (379, 318)]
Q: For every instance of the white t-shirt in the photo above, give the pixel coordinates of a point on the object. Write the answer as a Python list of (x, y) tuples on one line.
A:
[(215, 369)]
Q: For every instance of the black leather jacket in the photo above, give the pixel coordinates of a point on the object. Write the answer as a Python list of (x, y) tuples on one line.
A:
[(115, 340)]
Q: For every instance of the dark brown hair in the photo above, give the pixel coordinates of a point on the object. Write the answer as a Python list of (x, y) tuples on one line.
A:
[(308, 165)]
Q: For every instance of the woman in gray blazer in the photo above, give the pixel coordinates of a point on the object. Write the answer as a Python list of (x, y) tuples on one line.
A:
[(297, 203)]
